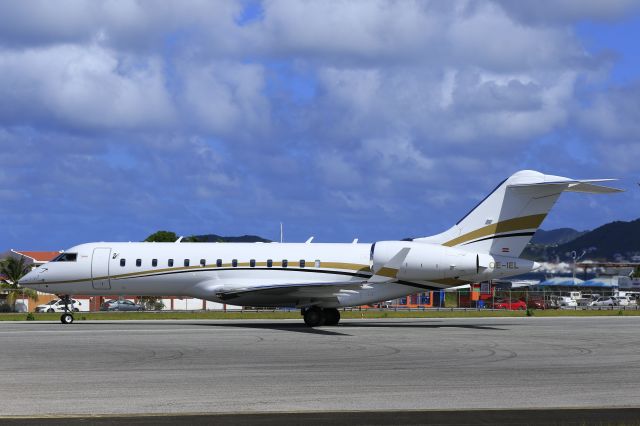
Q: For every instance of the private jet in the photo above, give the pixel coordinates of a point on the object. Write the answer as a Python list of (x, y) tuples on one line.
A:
[(320, 278)]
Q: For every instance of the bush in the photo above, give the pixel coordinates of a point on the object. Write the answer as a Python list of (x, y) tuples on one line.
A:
[(30, 317), (4, 307), (529, 312)]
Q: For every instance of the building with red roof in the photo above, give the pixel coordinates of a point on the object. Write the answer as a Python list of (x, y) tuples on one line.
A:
[(37, 258)]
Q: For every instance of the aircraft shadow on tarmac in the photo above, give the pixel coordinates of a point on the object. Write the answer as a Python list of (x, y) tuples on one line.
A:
[(328, 331), (302, 328)]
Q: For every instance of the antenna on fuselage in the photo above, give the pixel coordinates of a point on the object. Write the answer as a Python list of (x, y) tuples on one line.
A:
[(179, 239), (309, 240)]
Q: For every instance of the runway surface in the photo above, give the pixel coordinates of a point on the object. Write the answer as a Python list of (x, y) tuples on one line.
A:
[(254, 366)]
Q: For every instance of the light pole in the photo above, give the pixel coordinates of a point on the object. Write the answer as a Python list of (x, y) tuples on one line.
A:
[(575, 259)]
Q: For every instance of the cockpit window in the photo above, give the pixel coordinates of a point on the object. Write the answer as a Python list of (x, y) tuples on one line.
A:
[(66, 257)]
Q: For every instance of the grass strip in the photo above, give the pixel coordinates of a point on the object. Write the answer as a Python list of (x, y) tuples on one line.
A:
[(370, 313)]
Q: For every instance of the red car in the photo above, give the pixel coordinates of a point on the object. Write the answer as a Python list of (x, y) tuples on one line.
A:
[(539, 304), (513, 305)]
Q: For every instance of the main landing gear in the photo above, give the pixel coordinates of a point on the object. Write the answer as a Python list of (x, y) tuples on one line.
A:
[(316, 317), (67, 316)]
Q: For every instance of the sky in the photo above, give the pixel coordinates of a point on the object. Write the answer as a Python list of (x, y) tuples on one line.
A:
[(351, 119)]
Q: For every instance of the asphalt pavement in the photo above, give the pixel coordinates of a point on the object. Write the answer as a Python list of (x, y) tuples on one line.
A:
[(372, 366)]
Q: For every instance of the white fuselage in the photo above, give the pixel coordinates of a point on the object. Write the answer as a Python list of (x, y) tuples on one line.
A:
[(211, 270)]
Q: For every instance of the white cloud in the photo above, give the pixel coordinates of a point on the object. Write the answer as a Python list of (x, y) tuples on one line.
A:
[(348, 30), (226, 98), (82, 87)]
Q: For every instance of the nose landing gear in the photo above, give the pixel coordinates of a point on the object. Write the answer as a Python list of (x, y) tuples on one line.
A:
[(67, 316), (316, 317)]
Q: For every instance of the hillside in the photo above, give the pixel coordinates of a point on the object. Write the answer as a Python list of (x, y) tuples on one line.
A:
[(556, 236), (213, 238), (615, 239)]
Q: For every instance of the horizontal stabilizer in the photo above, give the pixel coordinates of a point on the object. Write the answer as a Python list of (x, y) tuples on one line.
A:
[(584, 185)]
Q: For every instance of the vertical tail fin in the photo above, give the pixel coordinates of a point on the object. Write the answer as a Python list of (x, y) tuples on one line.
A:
[(505, 221)]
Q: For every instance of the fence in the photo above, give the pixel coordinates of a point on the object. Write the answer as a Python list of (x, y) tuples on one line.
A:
[(516, 299)]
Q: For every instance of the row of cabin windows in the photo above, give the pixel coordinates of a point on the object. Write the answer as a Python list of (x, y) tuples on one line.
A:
[(234, 263)]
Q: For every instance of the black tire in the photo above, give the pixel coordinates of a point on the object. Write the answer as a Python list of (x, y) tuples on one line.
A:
[(50, 310), (332, 316), (66, 318), (314, 317), (140, 309), (76, 310)]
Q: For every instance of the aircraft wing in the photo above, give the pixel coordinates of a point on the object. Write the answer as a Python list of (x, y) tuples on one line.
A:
[(288, 294)]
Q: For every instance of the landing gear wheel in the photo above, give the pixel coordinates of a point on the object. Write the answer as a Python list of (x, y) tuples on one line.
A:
[(332, 316), (314, 317), (66, 318)]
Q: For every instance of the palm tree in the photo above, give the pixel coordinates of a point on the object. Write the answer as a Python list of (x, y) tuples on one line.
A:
[(12, 270)]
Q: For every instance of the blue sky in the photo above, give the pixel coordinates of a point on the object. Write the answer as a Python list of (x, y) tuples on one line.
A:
[(361, 119)]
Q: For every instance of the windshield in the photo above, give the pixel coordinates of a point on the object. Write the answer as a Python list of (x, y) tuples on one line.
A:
[(66, 257)]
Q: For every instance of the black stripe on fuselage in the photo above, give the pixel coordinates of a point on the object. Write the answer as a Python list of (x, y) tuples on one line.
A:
[(514, 234)]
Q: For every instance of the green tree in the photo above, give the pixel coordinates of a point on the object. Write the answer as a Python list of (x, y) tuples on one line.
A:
[(162, 237), (152, 303), (12, 270)]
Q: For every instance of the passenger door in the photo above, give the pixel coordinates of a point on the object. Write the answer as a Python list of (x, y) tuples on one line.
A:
[(100, 268)]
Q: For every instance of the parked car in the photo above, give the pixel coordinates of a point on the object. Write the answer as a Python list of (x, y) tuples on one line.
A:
[(563, 302), (623, 300), (538, 304), (121, 305), (604, 301), (513, 304), (58, 306)]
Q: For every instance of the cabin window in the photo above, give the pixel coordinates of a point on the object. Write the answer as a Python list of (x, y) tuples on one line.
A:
[(234, 263), (138, 262), (66, 257), (203, 262), (302, 263), (170, 262), (285, 263), (269, 263), (123, 262), (154, 262), (252, 263), (219, 263), (317, 263), (186, 262)]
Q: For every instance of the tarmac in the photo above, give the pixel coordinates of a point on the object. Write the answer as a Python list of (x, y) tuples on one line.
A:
[(374, 368)]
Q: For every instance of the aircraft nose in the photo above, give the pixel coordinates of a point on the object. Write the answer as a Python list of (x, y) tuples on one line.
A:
[(536, 265), (29, 278)]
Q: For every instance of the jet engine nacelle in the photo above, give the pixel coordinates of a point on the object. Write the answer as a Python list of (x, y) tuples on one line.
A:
[(425, 261)]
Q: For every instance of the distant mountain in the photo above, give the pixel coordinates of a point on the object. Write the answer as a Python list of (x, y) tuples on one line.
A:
[(556, 236), (213, 238), (613, 241)]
